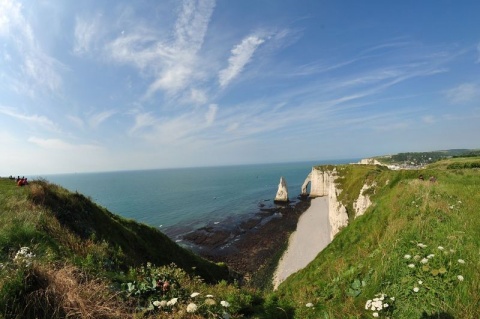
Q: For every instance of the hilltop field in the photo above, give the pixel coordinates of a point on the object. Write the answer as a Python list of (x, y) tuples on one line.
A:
[(413, 254)]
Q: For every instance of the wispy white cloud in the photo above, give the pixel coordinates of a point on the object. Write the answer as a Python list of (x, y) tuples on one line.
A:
[(59, 144), (429, 119), (143, 120), (241, 56), (96, 119), (37, 120), (87, 33), (463, 93), (197, 96), (77, 121), (171, 62), (211, 113), (37, 67)]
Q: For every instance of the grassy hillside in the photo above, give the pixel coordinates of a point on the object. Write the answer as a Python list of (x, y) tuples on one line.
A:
[(416, 248), (418, 245)]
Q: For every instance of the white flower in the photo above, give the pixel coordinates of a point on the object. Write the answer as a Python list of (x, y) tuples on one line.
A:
[(375, 314), (191, 307), (224, 303), (461, 261), (209, 296), (460, 277), (385, 305), (172, 302), (309, 305), (163, 303), (440, 248), (392, 298), (368, 304), (416, 257), (416, 289), (430, 256), (411, 265), (421, 245), (424, 261), (377, 304), (157, 303), (420, 282), (407, 256), (194, 294)]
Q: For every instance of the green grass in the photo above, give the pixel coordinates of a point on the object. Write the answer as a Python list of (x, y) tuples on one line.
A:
[(93, 256)]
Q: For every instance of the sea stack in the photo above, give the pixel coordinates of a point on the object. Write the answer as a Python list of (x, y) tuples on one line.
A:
[(282, 192)]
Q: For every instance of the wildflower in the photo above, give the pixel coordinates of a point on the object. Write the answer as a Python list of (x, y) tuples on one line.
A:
[(421, 245), (163, 303), (157, 304), (407, 256), (440, 248), (377, 304), (24, 256), (392, 298), (416, 257), (191, 307), (385, 305), (309, 305), (209, 296), (416, 289), (424, 261), (420, 282), (375, 314), (430, 256), (460, 277), (411, 265), (194, 294), (461, 261), (368, 304), (172, 302), (224, 303)]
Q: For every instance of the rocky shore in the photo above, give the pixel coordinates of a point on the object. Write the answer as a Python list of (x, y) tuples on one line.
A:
[(251, 247)]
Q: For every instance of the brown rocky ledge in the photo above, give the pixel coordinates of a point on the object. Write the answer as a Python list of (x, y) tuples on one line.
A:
[(251, 247)]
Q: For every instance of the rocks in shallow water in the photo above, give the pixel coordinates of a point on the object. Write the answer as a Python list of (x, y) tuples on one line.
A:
[(282, 192)]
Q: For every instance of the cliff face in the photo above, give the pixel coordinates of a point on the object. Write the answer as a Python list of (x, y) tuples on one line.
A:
[(323, 183)]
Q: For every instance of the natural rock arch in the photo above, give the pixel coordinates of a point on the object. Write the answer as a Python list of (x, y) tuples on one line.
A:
[(305, 184)]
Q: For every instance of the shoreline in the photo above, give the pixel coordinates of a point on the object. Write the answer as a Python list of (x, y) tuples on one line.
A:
[(253, 246), (309, 239)]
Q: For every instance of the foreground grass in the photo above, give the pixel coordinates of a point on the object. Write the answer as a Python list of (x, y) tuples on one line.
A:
[(416, 248)]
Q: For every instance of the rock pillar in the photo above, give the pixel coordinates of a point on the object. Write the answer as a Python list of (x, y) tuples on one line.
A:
[(282, 192)]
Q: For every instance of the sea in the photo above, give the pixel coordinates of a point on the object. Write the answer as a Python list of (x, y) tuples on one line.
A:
[(180, 200)]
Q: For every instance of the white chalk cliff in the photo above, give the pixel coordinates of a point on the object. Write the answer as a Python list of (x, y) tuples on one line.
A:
[(282, 192), (322, 183)]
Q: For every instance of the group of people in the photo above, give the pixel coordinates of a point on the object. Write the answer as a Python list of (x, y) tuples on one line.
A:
[(21, 181)]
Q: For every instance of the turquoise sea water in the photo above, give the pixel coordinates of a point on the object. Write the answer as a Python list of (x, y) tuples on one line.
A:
[(188, 198)]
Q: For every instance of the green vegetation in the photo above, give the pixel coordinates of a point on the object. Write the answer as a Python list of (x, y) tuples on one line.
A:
[(424, 158), (413, 254)]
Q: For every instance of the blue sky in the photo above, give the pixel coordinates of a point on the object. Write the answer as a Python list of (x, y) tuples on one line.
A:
[(116, 85)]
